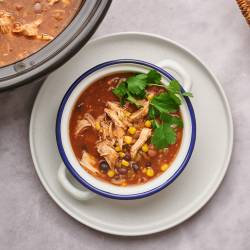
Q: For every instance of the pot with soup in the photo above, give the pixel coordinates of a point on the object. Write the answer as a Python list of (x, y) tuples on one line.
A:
[(125, 129), (38, 36)]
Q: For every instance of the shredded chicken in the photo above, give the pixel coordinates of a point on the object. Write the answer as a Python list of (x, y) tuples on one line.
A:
[(90, 119), (118, 182), (119, 133), (121, 112), (31, 30), (101, 118), (52, 2), (88, 161), (112, 129), (45, 37), (110, 155), (66, 2), (117, 115), (142, 112), (6, 20), (58, 14), (120, 142), (115, 106), (28, 29), (144, 135), (106, 130), (114, 117), (81, 126)]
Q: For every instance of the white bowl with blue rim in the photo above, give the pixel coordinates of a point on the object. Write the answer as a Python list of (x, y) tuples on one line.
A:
[(95, 185)]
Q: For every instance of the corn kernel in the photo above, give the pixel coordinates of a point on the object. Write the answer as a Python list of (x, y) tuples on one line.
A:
[(164, 167), (125, 163), (121, 154), (150, 97), (145, 148), (117, 149), (132, 130), (111, 173), (150, 172), (128, 139), (127, 113), (148, 124), (97, 126)]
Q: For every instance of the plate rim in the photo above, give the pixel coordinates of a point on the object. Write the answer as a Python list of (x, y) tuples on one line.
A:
[(206, 197)]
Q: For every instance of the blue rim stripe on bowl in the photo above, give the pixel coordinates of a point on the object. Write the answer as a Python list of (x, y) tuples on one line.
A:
[(71, 168)]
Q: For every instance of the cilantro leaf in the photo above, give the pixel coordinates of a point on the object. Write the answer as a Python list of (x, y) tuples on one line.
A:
[(141, 76), (187, 94), (152, 113), (132, 100), (171, 120), (165, 103), (174, 87), (155, 124), (137, 85), (120, 90), (175, 98), (177, 121), (123, 94), (163, 136), (153, 77)]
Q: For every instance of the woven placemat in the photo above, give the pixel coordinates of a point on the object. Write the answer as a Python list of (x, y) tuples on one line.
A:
[(245, 9)]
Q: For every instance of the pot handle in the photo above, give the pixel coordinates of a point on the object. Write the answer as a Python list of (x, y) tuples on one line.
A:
[(177, 68), (72, 190)]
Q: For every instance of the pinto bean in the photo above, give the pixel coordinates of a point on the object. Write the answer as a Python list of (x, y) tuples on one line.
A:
[(152, 152)]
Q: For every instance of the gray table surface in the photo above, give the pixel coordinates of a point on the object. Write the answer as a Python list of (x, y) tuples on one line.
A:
[(218, 34)]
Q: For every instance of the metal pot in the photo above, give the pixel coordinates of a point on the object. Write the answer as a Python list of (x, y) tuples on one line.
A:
[(58, 51)]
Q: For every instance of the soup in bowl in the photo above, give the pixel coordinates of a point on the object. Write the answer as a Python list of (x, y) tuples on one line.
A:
[(125, 129)]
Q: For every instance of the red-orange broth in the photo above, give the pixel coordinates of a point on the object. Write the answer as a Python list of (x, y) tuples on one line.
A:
[(93, 100), (28, 25)]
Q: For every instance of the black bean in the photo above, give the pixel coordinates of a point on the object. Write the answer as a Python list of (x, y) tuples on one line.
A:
[(135, 167), (148, 164), (127, 157), (122, 171), (104, 166), (125, 147), (152, 153)]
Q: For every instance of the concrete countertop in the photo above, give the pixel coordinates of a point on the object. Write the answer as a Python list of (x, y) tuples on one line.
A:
[(214, 30)]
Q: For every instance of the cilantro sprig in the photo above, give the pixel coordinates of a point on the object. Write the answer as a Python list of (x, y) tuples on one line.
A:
[(134, 88), (161, 107)]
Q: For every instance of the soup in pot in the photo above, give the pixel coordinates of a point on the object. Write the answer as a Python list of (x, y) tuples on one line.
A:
[(28, 25)]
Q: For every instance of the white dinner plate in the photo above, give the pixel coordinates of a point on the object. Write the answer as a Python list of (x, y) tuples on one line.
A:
[(191, 190)]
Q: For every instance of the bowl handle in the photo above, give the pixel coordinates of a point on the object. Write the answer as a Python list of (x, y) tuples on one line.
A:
[(177, 68), (72, 190)]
